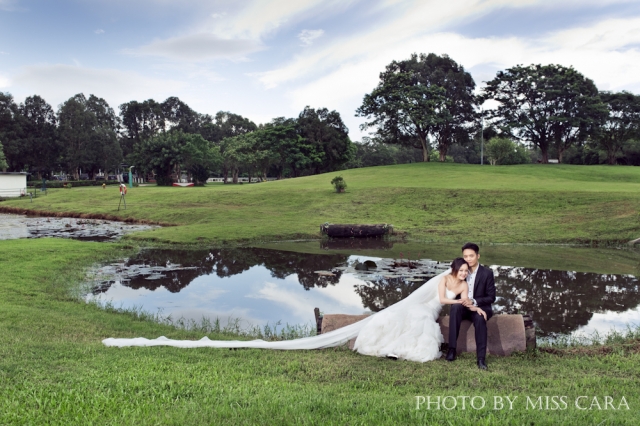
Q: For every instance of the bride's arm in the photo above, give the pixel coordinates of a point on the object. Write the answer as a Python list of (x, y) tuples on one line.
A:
[(442, 295)]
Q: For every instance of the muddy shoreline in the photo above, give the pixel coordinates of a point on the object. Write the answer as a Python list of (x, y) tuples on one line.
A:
[(75, 215)]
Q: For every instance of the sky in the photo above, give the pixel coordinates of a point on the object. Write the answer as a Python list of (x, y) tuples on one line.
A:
[(270, 58)]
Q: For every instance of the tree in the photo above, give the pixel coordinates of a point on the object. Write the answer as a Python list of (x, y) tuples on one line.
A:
[(3, 159), (171, 152), (548, 105), (504, 151), (287, 147), (325, 131), (426, 95), (88, 134), (140, 121), (10, 131), (40, 149), (622, 122)]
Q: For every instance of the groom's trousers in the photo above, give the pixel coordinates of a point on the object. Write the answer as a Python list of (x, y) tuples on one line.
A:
[(459, 313)]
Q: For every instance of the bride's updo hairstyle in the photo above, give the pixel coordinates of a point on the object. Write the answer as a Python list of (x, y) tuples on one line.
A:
[(457, 264)]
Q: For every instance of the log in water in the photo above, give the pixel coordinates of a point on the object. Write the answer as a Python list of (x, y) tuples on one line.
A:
[(355, 230)]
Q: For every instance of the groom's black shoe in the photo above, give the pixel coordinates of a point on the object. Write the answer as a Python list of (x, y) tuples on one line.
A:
[(451, 355), (481, 364)]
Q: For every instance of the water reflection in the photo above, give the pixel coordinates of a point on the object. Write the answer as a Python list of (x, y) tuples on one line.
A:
[(269, 285), (563, 301)]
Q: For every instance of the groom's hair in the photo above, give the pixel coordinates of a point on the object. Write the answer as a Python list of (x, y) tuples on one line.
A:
[(471, 246)]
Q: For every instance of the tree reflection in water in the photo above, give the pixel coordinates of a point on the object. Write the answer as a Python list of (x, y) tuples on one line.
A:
[(230, 262), (560, 301)]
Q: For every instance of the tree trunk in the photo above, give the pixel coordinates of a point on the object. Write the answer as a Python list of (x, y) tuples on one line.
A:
[(225, 174), (425, 149), (545, 156), (443, 156), (560, 152), (611, 157), (235, 175)]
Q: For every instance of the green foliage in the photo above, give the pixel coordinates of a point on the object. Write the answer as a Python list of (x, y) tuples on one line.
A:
[(418, 97), (622, 122), (435, 156), (171, 152), (3, 159), (504, 151), (549, 106), (88, 131), (373, 152), (339, 183)]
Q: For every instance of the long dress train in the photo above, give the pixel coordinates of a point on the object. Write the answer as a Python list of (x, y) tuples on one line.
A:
[(407, 329)]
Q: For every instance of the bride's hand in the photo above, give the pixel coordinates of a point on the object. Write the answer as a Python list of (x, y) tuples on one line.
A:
[(481, 312)]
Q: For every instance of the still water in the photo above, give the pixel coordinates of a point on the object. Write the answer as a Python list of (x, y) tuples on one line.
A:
[(261, 286)]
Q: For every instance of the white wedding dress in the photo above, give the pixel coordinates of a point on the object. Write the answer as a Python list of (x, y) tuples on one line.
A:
[(407, 329)]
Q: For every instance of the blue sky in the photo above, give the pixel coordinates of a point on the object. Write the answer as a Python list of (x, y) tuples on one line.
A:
[(270, 58)]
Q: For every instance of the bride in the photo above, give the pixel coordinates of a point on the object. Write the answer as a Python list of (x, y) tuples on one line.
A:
[(406, 330)]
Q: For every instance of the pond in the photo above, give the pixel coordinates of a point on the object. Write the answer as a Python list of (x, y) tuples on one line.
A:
[(596, 290), (14, 226)]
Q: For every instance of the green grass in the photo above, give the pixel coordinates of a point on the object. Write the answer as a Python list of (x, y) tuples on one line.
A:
[(54, 370), (426, 202)]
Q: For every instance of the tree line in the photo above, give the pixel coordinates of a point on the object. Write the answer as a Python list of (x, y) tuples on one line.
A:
[(425, 108), (166, 140), (429, 103)]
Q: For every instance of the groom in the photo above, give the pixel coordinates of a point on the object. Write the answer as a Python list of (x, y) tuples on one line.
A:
[(482, 293)]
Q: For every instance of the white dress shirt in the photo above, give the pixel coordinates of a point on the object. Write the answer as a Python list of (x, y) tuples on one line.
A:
[(471, 280)]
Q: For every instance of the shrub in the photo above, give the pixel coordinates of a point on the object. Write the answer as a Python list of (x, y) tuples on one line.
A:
[(339, 184), (504, 151)]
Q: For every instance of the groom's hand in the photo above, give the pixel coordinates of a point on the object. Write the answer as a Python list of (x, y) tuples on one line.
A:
[(467, 302)]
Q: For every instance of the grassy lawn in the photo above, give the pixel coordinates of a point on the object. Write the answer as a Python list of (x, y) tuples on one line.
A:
[(54, 370), (425, 202)]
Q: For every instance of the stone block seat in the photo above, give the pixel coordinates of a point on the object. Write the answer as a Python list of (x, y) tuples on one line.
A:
[(506, 333)]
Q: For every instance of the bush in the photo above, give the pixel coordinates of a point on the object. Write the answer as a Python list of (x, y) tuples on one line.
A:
[(504, 151), (339, 184)]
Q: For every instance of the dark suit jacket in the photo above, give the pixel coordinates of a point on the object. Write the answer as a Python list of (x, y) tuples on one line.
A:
[(484, 288)]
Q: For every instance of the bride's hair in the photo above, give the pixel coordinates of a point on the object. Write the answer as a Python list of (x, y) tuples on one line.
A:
[(457, 264)]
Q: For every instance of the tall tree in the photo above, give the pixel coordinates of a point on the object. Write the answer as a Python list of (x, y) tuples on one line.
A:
[(10, 131), (140, 121), (3, 159), (545, 105), (622, 122), (327, 133), (87, 131), (170, 153), (418, 98), (40, 148), (179, 116)]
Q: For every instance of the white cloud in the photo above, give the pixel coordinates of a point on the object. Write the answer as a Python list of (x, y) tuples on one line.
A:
[(99, 31), (56, 83), (307, 37), (291, 299), (198, 47), (4, 82), (257, 18), (338, 75)]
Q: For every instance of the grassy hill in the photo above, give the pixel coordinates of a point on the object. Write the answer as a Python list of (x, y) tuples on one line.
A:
[(427, 202)]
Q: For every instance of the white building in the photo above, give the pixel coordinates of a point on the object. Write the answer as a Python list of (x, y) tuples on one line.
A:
[(13, 184)]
